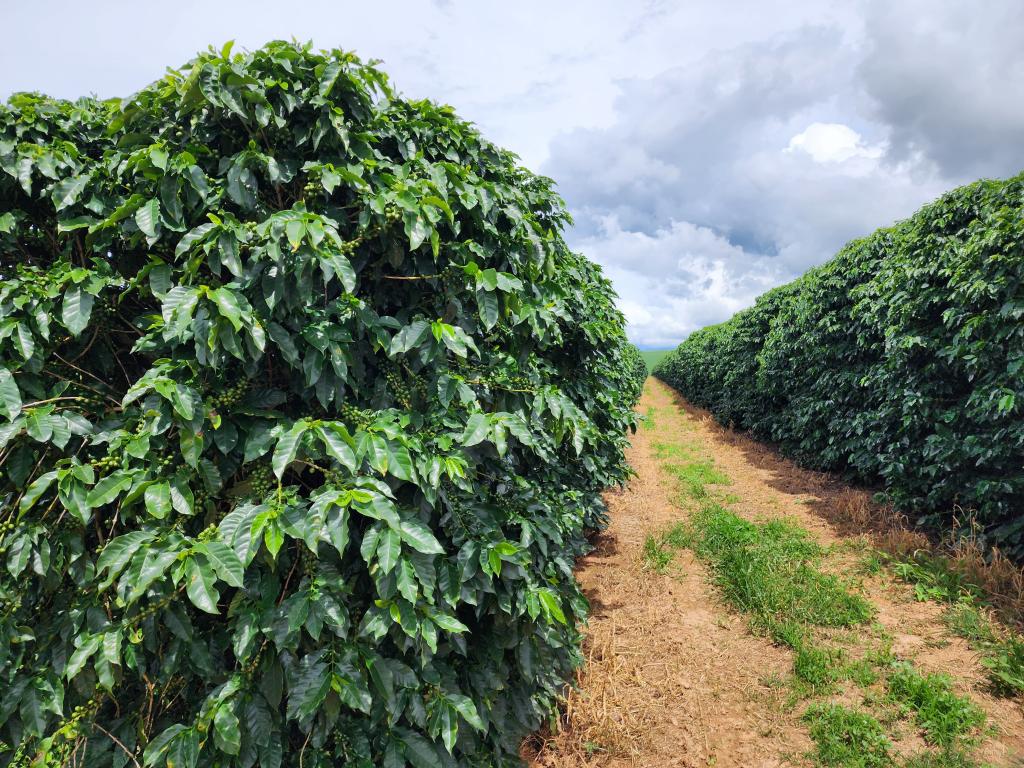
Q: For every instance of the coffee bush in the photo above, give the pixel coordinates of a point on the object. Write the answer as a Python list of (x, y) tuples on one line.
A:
[(899, 363), (304, 408)]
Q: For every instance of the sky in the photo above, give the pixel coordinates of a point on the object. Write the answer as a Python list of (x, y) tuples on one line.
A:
[(707, 150)]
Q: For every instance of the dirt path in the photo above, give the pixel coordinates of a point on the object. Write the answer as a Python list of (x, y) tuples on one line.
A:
[(673, 676)]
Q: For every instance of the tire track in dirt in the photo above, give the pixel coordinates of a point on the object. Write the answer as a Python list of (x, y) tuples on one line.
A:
[(673, 677)]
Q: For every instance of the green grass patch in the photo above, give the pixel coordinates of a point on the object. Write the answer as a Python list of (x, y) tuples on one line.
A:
[(1002, 653), (673, 451), (656, 557), (695, 476), (658, 551), (846, 738), (648, 420), (1004, 660), (769, 570), (817, 667), (862, 672), (946, 718), (653, 356), (967, 620), (947, 758), (935, 578)]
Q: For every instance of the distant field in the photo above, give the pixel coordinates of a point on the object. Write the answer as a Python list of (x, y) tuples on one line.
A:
[(652, 356)]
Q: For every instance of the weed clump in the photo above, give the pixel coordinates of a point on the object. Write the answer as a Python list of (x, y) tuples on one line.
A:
[(847, 738), (945, 717)]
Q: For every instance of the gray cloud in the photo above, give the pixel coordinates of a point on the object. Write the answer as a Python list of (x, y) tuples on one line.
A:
[(718, 180), (947, 79)]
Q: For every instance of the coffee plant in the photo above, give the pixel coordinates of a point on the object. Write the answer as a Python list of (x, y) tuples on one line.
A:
[(304, 409), (900, 363), (634, 373)]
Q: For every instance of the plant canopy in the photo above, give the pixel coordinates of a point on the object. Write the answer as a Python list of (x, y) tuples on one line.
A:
[(304, 408)]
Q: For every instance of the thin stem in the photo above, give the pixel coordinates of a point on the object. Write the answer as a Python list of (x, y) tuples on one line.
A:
[(117, 741), (410, 277), (51, 400)]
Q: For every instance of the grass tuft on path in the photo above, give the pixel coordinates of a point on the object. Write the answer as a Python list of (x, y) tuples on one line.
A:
[(968, 616), (769, 570), (945, 718), (847, 738)]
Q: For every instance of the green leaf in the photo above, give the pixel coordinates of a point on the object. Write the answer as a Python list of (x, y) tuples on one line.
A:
[(199, 584), (419, 537), (295, 230), (352, 692), (226, 730), (158, 499), (488, 303), (39, 425), (288, 447), (443, 720), (10, 397), (154, 566), (381, 677), (417, 229), (551, 604), (476, 431), (448, 623), (159, 748), (147, 217), (66, 193), (308, 687), (108, 488), (37, 489), (336, 527), (194, 236), (388, 550), (420, 752), (400, 462), (407, 585), (225, 562), (273, 538), (228, 306), (117, 553), (488, 279), (24, 341), (81, 655), (336, 445), (329, 77), (465, 707), (410, 337), (77, 309)]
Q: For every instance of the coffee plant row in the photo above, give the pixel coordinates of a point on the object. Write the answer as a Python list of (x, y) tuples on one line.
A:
[(304, 409), (900, 363)]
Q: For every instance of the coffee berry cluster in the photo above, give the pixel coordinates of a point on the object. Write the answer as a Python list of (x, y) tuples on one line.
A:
[(230, 396), (261, 480)]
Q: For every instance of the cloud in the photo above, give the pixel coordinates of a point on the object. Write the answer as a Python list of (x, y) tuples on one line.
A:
[(833, 143), (946, 78), (678, 278), (721, 179)]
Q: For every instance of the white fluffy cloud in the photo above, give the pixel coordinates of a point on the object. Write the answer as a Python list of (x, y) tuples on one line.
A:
[(834, 143), (678, 278)]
